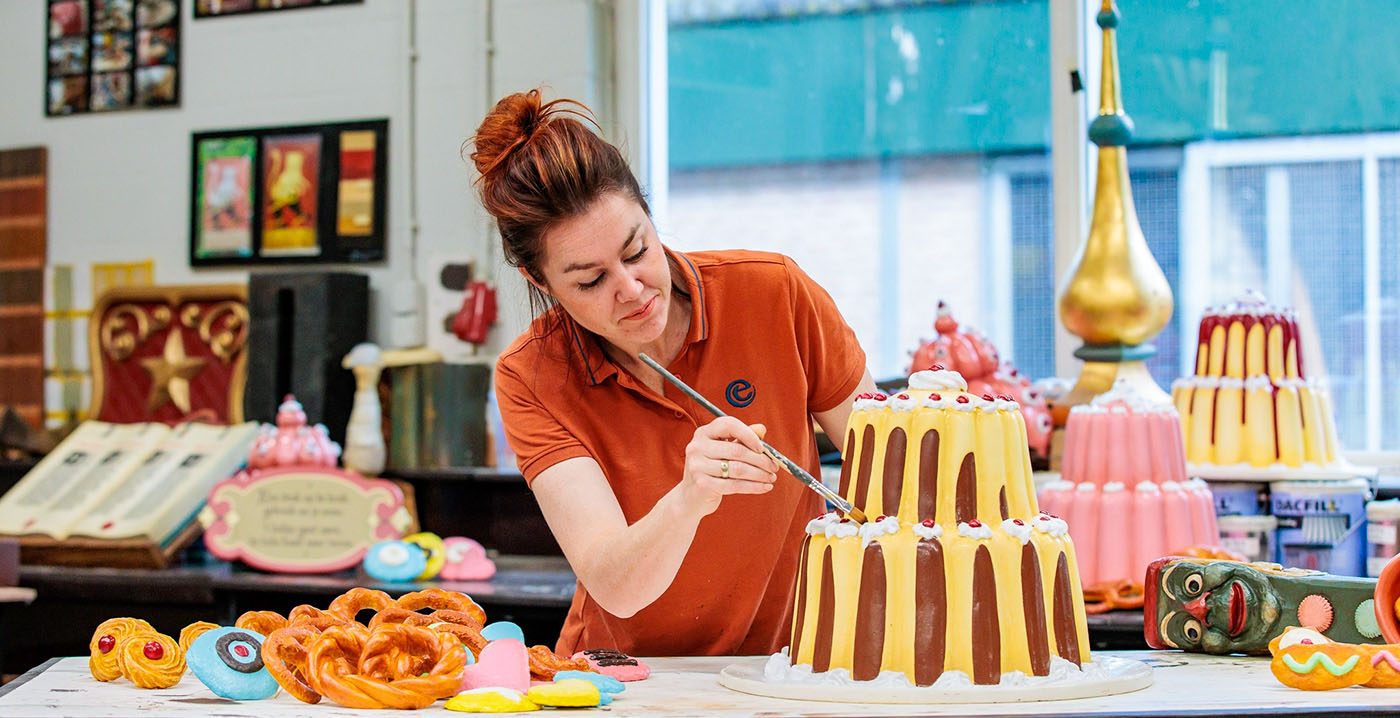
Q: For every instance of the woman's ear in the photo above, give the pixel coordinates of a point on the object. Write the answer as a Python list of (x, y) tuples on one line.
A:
[(532, 281)]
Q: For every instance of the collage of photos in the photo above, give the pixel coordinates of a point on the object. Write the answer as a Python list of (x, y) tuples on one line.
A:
[(289, 194), (219, 8), (112, 55)]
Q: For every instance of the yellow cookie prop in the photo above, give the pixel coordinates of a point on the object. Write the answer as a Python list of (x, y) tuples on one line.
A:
[(1321, 667), (193, 631), (102, 648), (568, 693), (433, 551), (1385, 666), (151, 660), (491, 700)]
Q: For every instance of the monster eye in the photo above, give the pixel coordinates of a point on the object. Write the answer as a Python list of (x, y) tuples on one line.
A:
[(1193, 584), (1192, 630)]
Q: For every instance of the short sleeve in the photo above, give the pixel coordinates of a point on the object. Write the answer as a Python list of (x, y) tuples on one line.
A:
[(831, 356), (534, 434)]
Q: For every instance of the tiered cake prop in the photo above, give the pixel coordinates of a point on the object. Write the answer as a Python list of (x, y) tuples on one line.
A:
[(960, 573), (1250, 408), (1125, 494), (969, 353)]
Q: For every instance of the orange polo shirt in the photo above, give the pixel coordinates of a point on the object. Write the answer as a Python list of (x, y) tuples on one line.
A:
[(767, 345)]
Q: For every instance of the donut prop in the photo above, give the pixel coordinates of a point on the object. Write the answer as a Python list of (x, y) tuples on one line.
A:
[(434, 553), (102, 648), (394, 666), (616, 664), (151, 660), (193, 631), (284, 654), (262, 623), (465, 560), (395, 561), (228, 661)]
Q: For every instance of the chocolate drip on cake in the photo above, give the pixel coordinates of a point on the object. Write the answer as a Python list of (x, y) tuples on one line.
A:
[(928, 475), (870, 616), (893, 480), (986, 631), (826, 616), (1033, 598), (801, 591), (1005, 513), (847, 458), (930, 612), (967, 490), (1066, 635), (867, 459)]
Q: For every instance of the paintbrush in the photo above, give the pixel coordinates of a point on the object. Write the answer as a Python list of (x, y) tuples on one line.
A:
[(841, 504)]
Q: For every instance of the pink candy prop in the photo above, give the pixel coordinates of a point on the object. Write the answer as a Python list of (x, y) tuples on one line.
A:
[(503, 663), (466, 560)]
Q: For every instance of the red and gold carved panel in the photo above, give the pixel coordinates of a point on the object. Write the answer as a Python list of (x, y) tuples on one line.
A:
[(169, 354)]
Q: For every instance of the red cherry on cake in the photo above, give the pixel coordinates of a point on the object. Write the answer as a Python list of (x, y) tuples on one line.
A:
[(1018, 522), (936, 367), (928, 523), (987, 397), (154, 650), (879, 397), (845, 521), (106, 643), (962, 399), (974, 524), (935, 396), (1004, 397), (904, 397)]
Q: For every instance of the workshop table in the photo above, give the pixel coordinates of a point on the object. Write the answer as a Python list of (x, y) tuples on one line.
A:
[(1183, 685)]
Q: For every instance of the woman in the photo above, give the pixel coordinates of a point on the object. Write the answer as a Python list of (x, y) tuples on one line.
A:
[(684, 537)]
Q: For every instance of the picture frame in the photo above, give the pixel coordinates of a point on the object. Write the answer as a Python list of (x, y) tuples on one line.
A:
[(110, 55), (204, 9), (292, 194)]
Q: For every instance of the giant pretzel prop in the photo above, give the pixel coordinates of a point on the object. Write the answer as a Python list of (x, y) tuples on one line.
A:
[(403, 658)]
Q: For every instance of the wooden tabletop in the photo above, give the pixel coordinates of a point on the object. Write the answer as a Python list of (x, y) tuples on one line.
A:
[(1184, 685)]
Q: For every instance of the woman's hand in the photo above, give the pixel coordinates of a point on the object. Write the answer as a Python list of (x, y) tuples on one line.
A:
[(726, 457)]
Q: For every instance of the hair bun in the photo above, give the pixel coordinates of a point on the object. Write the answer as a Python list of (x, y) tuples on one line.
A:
[(513, 122)]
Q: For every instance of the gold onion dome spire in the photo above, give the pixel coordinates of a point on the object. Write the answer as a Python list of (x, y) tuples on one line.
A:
[(1115, 296)]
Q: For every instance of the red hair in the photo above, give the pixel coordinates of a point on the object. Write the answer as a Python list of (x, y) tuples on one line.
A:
[(540, 163)]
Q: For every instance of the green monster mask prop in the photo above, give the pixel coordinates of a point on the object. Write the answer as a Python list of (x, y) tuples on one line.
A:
[(1221, 607)]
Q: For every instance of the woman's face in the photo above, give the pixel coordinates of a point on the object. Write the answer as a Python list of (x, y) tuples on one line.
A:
[(606, 268)]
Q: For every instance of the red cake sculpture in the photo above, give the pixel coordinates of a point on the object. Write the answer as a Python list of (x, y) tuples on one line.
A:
[(970, 354)]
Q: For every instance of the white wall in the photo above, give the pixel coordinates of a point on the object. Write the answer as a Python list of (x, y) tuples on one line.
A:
[(119, 182)]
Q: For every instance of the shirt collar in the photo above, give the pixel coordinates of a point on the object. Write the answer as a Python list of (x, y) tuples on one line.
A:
[(600, 367)]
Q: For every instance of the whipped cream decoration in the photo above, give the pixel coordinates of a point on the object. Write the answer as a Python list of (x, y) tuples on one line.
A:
[(927, 529), (903, 402), (1114, 487), (869, 401), (937, 379), (1060, 485), (1125, 394), (1049, 524), (1197, 484), (1086, 486), (881, 526), (1147, 487), (1006, 403), (1294, 384), (1258, 382), (963, 402), (845, 528), (1170, 486), (1018, 528), (975, 529), (818, 525), (1231, 382), (1250, 303)]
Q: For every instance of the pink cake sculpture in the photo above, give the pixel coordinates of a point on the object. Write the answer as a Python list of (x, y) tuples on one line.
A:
[(972, 355), (292, 442), (1123, 488)]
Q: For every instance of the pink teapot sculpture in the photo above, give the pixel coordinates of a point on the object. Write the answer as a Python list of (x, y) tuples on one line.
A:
[(970, 353), (292, 442)]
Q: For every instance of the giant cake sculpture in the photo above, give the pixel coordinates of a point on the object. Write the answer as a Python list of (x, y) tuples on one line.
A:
[(1250, 406), (960, 572), (1123, 488)]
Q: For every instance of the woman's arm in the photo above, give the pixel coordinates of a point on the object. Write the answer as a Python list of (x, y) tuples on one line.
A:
[(833, 420), (625, 567)]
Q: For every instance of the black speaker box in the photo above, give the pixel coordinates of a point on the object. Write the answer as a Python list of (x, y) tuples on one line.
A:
[(302, 326)]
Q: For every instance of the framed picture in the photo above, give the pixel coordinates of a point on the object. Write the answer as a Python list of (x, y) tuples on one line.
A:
[(106, 55), (219, 8), (295, 194)]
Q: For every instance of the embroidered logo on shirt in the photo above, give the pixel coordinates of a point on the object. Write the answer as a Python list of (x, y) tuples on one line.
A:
[(739, 393)]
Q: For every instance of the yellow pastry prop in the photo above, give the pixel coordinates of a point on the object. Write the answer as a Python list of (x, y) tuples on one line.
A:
[(102, 648), (193, 631), (1301, 661), (151, 660)]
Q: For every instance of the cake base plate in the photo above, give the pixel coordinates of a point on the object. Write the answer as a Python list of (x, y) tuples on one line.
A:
[(1122, 676), (1245, 472)]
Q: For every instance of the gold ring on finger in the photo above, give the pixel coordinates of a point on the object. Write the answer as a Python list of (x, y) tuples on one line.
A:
[(724, 468)]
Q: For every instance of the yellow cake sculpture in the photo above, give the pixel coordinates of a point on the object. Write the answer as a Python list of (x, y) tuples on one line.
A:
[(1249, 405), (958, 571)]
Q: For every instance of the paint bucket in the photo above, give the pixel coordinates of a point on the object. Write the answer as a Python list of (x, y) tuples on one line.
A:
[(1239, 499), (1249, 536), (1382, 534), (1322, 524)]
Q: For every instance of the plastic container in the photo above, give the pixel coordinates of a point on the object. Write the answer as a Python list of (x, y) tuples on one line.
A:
[(1382, 534), (1249, 536), (1322, 524), (1239, 499)]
